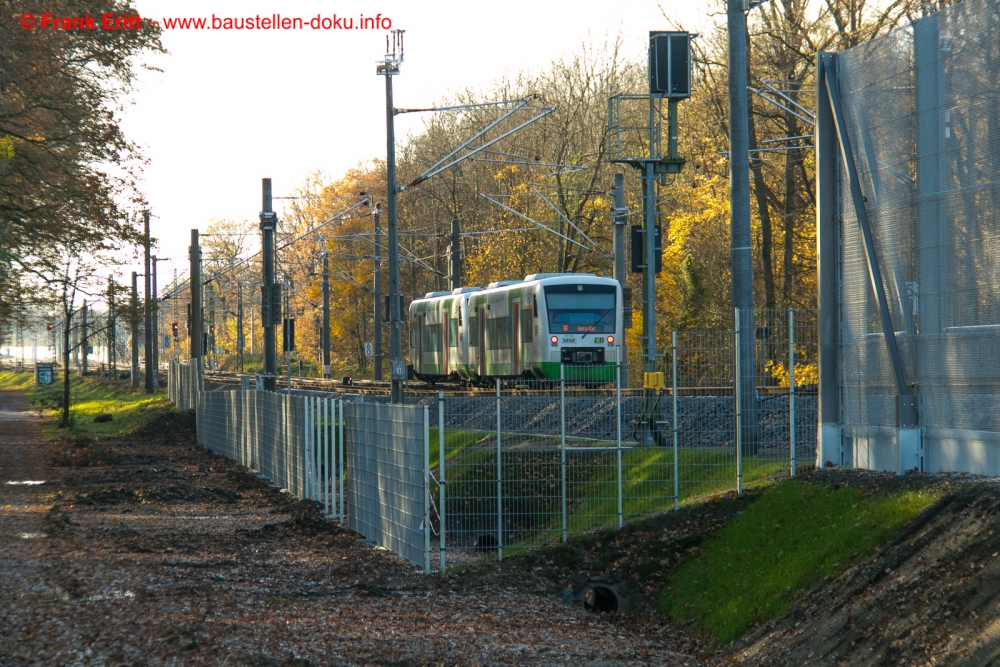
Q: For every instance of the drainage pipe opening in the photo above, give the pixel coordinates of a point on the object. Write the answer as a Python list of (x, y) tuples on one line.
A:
[(486, 543), (601, 598)]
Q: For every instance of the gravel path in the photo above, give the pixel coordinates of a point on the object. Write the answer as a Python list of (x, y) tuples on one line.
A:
[(146, 559)]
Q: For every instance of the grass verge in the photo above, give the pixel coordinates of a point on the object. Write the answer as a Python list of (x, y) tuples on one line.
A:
[(454, 443), (89, 397), (796, 535)]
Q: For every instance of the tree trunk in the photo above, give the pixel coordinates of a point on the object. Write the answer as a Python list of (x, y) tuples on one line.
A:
[(764, 213), (791, 209), (760, 196), (66, 357)]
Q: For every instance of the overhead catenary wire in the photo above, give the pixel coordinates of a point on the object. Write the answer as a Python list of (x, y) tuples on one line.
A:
[(533, 221), (443, 164), (563, 216)]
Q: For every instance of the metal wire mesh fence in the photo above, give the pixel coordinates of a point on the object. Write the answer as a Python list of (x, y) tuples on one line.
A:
[(387, 462), (539, 460), (291, 441), (785, 374), (183, 384), (920, 111), (530, 462)]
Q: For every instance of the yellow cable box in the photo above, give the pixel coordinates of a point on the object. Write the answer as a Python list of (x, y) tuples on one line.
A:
[(653, 381)]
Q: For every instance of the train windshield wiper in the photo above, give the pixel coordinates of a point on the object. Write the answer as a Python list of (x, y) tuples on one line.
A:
[(606, 313)]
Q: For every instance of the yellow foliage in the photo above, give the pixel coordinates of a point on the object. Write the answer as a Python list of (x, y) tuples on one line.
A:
[(805, 374)]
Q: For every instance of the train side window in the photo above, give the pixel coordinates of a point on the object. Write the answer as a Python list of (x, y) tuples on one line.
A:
[(473, 330), (452, 333), (498, 333), (534, 307), (526, 329), (432, 338)]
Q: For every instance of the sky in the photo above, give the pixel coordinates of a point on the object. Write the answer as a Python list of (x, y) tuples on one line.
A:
[(230, 107)]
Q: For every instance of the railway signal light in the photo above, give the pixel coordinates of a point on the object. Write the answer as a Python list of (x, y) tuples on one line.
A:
[(49, 326), (670, 64), (348, 381), (173, 328), (638, 249)]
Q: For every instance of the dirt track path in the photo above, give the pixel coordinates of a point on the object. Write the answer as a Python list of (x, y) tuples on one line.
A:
[(183, 566), (23, 507)]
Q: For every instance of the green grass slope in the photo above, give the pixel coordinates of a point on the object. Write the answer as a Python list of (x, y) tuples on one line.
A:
[(795, 536), (89, 397)]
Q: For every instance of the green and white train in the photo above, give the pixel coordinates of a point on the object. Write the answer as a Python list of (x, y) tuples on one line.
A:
[(519, 329)]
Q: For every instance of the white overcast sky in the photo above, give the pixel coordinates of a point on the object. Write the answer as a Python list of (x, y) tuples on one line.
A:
[(232, 107)]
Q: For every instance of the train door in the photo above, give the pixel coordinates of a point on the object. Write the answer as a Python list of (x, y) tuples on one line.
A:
[(445, 344), (482, 342), (420, 344), (515, 339)]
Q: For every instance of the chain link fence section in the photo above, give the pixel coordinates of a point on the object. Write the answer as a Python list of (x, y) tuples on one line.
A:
[(540, 460), (388, 493), (785, 379), (183, 383)]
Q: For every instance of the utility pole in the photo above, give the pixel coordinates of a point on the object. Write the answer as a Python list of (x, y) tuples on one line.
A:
[(210, 288), (155, 309), (456, 255), (148, 306), (270, 306), (396, 366), (325, 342), (739, 222), (378, 296), (287, 335), (619, 216), (194, 317), (239, 324), (83, 339), (134, 321), (174, 307)]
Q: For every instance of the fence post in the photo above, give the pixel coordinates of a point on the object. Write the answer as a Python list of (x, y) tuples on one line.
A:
[(791, 384), (739, 417), (677, 467), (340, 471), (329, 452), (442, 483), (313, 438), (324, 464), (305, 491), (312, 446), (562, 443), (499, 484), (618, 401), (427, 490)]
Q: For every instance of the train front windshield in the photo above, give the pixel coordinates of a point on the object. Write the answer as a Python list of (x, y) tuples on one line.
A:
[(577, 309)]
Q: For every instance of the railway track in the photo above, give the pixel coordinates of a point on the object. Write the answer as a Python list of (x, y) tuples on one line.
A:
[(510, 388)]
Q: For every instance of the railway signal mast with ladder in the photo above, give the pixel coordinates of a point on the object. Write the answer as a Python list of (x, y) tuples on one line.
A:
[(636, 136)]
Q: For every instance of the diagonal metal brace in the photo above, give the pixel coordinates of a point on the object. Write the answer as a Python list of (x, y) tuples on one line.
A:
[(874, 274)]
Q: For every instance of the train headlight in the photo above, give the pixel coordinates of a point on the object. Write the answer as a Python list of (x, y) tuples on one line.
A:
[(611, 340), (554, 340)]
